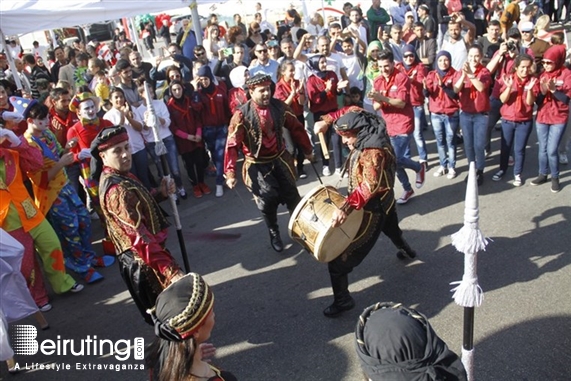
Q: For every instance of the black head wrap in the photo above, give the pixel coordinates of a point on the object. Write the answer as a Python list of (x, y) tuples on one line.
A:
[(181, 309), (371, 129), (106, 138), (205, 71), (398, 344)]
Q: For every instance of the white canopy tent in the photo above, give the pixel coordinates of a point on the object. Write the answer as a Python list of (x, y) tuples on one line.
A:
[(26, 16)]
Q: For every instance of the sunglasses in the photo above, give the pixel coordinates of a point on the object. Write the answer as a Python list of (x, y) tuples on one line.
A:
[(199, 54), (262, 51), (526, 31), (408, 56), (256, 30), (545, 62)]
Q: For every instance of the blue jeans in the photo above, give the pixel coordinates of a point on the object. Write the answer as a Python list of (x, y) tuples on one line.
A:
[(215, 138), (140, 167), (514, 135), (419, 124), (400, 145), (445, 127), (493, 117), (474, 130), (172, 159), (548, 137)]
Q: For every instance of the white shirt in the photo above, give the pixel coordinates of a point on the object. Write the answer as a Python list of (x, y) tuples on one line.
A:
[(161, 111), (458, 51), (136, 140), (353, 70)]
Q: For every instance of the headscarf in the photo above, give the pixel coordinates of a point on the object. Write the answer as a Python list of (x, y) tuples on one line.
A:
[(313, 65), (442, 73), (205, 71), (557, 54), (237, 76), (370, 128), (409, 49), (182, 308), (398, 344), (106, 138), (370, 72)]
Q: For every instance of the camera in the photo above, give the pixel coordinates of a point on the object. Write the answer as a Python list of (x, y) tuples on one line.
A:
[(512, 46)]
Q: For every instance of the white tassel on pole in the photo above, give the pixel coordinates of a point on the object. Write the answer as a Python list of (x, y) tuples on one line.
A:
[(469, 240)]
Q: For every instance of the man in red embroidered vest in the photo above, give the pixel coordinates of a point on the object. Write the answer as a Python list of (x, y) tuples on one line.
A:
[(269, 172)]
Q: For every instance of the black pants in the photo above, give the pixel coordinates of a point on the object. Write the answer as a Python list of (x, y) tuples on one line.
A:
[(194, 164), (375, 221), (272, 184)]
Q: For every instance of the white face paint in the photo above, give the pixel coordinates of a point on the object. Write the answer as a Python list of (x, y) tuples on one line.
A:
[(87, 110), (41, 124)]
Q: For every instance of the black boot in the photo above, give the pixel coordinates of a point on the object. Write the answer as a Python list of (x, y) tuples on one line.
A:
[(342, 299), (276, 240), (405, 251), (480, 177)]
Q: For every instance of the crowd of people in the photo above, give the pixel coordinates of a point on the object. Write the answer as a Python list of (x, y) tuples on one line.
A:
[(91, 117)]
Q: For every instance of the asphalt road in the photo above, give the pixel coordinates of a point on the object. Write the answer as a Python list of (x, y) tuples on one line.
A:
[(268, 306)]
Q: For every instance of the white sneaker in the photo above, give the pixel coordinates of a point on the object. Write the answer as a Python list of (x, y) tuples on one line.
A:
[(451, 173), (563, 158), (441, 171), (219, 191), (326, 171), (517, 181)]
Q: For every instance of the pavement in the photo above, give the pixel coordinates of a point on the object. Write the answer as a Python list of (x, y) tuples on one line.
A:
[(269, 322)]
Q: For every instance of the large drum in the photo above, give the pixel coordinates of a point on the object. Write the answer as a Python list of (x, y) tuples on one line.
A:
[(310, 224)]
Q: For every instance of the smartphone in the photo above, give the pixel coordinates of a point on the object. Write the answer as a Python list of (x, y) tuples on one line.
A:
[(228, 51)]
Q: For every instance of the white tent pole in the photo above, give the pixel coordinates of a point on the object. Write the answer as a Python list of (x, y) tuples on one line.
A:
[(196, 22), (11, 62)]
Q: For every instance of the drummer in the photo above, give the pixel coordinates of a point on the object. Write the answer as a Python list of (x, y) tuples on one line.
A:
[(371, 167), (269, 172)]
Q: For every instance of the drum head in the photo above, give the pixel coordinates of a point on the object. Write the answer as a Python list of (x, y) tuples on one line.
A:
[(310, 224)]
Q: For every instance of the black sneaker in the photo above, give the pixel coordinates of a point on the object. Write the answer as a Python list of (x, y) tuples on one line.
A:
[(480, 177), (338, 307), (302, 174), (541, 179), (555, 187)]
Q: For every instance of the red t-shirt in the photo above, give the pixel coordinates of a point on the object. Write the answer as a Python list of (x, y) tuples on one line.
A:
[(516, 109), (400, 121), (472, 100), (416, 74), (552, 110), (438, 101), (85, 135)]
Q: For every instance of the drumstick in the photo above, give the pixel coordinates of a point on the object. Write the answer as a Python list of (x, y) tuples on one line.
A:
[(323, 146)]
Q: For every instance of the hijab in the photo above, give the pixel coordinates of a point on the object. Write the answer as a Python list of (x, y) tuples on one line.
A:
[(313, 65), (557, 54), (205, 71), (409, 49), (442, 53), (372, 72)]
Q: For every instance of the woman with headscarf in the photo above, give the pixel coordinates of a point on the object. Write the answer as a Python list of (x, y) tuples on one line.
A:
[(322, 96), (398, 343), (552, 113), (212, 103), (237, 95), (472, 84), (443, 105), (372, 71), (187, 130), (416, 72), (517, 93), (183, 316)]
